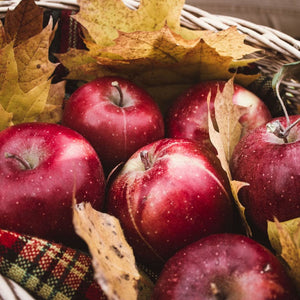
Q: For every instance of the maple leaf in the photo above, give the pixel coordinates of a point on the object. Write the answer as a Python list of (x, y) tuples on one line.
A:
[(6, 118), (111, 16), (52, 111), (2, 36), (32, 60), (226, 136), (149, 47), (285, 240), (25, 77), (25, 21)]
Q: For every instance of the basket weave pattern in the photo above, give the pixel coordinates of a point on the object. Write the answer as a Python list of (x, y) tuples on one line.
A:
[(278, 48)]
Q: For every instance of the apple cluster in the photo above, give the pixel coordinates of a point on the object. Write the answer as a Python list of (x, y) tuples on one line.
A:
[(160, 176)]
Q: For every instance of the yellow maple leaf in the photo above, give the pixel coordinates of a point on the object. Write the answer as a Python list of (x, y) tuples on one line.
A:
[(24, 106), (285, 240), (25, 70), (52, 111), (32, 60), (162, 62), (149, 47), (5, 118), (110, 16)]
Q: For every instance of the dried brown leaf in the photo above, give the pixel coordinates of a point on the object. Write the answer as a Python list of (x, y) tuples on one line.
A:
[(226, 136), (25, 21), (3, 41), (113, 259)]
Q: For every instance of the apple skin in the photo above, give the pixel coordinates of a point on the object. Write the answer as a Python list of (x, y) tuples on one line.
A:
[(224, 266), (115, 131), (182, 196), (272, 169), (188, 118), (38, 201)]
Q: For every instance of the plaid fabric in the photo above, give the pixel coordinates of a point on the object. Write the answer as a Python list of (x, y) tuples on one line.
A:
[(70, 33), (47, 270)]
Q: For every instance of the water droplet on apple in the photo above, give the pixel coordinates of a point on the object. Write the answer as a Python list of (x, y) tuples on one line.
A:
[(174, 279), (266, 268)]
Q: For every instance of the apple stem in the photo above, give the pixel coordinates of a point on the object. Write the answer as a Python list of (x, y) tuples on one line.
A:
[(144, 155), (279, 130), (216, 292), (23, 162), (117, 86), (276, 127)]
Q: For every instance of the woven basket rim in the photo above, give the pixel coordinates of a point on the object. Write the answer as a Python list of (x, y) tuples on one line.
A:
[(197, 18)]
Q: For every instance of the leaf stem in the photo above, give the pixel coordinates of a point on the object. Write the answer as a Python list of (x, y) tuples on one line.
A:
[(282, 103)]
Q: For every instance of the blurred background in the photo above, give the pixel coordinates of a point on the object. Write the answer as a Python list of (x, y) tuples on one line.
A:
[(279, 14)]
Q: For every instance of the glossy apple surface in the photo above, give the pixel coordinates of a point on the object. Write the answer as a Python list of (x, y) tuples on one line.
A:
[(116, 116), (40, 166), (224, 266), (187, 117), (168, 194), (272, 169)]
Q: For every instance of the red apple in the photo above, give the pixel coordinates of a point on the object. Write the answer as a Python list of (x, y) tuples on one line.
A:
[(168, 194), (116, 116), (187, 117), (224, 266), (40, 167), (272, 169)]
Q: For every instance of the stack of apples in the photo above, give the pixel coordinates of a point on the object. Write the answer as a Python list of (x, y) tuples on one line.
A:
[(166, 185)]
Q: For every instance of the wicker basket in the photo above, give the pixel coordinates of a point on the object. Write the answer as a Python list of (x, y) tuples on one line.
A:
[(279, 48)]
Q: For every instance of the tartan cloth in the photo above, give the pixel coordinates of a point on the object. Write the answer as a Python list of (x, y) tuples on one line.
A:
[(47, 270)]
